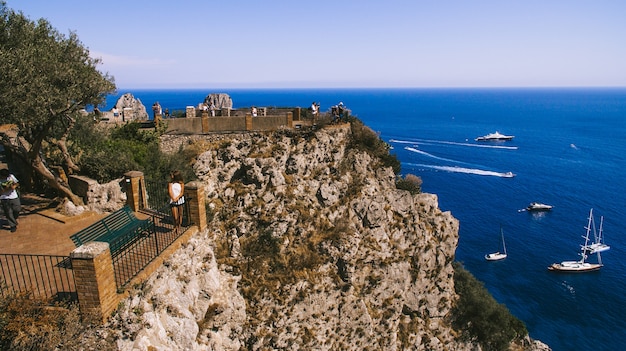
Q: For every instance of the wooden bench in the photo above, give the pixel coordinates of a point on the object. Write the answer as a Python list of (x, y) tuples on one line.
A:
[(119, 229)]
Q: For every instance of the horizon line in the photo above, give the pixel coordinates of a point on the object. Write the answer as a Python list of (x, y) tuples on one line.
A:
[(378, 88)]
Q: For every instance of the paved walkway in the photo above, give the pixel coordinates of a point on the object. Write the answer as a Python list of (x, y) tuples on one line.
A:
[(42, 230)]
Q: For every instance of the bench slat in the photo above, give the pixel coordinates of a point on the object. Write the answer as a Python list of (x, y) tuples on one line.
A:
[(118, 229)]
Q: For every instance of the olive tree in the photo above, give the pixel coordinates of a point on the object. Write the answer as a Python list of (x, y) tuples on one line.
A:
[(46, 80)]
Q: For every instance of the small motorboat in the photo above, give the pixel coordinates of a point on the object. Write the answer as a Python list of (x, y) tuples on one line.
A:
[(538, 206), (494, 137)]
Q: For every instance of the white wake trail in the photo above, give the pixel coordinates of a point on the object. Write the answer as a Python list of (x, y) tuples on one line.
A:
[(456, 169), (412, 149), (444, 142)]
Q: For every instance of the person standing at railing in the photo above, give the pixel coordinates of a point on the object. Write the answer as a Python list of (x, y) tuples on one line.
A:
[(176, 190)]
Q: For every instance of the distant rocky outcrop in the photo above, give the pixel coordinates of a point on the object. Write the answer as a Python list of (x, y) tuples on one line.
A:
[(131, 108), (219, 100), (310, 246)]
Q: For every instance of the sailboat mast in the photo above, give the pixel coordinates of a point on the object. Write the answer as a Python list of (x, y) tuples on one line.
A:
[(599, 237), (503, 244), (583, 252)]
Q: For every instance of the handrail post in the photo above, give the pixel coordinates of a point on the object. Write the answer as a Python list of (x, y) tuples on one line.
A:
[(136, 195), (95, 280), (194, 192)]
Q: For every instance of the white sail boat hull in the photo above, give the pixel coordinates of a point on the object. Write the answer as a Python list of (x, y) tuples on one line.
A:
[(575, 266), (596, 247), (496, 256)]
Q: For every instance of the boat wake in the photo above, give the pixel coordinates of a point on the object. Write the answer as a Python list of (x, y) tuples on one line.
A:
[(412, 149), (456, 169), (444, 142)]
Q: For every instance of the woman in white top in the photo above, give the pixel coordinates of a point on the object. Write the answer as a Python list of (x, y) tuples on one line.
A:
[(176, 190)]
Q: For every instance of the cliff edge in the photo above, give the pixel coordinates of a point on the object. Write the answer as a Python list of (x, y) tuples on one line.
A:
[(310, 246)]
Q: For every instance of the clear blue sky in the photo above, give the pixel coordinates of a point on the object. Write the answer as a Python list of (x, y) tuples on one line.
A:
[(347, 43)]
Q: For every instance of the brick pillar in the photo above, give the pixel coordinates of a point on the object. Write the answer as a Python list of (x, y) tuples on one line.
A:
[(205, 121), (190, 112), (194, 194), (248, 121), (136, 195), (95, 280), (290, 119)]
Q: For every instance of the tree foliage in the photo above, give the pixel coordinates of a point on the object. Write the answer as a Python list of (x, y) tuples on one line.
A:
[(481, 317), (47, 79)]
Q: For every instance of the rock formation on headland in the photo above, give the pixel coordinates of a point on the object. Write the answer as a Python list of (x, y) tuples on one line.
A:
[(132, 108), (310, 246), (219, 100)]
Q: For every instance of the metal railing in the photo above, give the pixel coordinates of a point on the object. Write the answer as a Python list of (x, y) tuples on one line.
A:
[(138, 253), (157, 194), (44, 276)]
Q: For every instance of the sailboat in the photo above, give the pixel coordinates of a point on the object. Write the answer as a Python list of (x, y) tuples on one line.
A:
[(496, 256), (596, 247), (598, 244)]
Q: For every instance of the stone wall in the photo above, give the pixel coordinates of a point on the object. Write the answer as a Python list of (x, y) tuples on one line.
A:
[(196, 125)]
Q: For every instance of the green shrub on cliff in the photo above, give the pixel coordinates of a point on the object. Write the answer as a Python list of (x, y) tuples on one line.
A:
[(364, 138), (410, 182), (480, 317)]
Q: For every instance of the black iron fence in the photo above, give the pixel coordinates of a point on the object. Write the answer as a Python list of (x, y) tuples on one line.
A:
[(44, 276), (138, 253), (157, 195), (48, 276)]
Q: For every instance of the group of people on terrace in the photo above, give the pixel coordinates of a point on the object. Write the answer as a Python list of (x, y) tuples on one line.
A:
[(209, 107)]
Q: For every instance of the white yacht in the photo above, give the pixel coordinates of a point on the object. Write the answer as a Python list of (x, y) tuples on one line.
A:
[(494, 136), (538, 206)]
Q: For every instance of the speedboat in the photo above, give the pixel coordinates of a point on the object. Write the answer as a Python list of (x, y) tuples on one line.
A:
[(494, 136), (538, 206)]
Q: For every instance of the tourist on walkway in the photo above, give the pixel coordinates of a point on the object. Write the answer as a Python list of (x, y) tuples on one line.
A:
[(212, 108), (9, 197), (176, 189), (314, 109)]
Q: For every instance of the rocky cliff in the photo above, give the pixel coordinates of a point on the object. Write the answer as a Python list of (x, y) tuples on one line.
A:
[(310, 246)]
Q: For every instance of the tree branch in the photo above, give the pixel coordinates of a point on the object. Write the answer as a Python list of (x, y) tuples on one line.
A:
[(62, 145)]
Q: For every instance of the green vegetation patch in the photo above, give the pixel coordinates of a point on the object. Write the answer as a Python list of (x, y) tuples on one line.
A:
[(480, 317)]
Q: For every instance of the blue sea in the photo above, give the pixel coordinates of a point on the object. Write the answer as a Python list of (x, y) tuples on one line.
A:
[(569, 151)]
